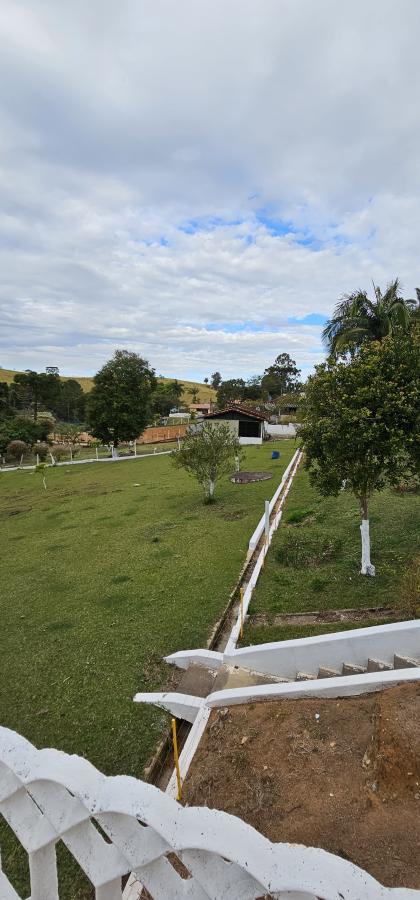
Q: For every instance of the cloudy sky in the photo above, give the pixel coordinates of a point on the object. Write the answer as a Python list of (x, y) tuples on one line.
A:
[(200, 180)]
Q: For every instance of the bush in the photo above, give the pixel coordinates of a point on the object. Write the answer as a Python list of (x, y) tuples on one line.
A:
[(299, 515), (42, 449), (17, 449), (301, 549), (22, 429), (59, 452)]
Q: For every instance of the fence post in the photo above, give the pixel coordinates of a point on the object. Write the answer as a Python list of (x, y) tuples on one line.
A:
[(97, 455), (37, 459), (267, 522)]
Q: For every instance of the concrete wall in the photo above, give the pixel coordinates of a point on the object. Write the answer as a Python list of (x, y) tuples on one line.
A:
[(289, 430), (308, 654)]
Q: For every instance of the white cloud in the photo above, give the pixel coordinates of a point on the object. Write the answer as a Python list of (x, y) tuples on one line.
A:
[(122, 124)]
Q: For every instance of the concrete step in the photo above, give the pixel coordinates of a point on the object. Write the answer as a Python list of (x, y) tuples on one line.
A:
[(352, 669), (304, 676), (326, 672), (197, 681), (235, 677), (405, 662), (377, 665)]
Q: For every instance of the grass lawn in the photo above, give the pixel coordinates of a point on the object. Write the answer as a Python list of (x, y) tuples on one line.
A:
[(314, 560), (103, 574)]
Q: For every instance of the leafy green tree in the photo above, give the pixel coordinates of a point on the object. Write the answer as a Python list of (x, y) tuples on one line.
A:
[(361, 424), (5, 401), (230, 390), (208, 453), (71, 403), (358, 320), (166, 396), (39, 389), (216, 380), (21, 428), (119, 405), (281, 377)]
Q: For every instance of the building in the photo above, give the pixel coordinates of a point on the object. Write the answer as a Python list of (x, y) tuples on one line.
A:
[(201, 409), (247, 424)]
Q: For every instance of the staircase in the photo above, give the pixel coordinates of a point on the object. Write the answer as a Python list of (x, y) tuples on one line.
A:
[(200, 681)]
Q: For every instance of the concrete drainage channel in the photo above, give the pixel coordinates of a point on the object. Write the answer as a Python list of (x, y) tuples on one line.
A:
[(198, 681)]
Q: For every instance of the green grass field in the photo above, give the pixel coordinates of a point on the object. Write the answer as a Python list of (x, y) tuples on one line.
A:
[(111, 568), (104, 573), (314, 560)]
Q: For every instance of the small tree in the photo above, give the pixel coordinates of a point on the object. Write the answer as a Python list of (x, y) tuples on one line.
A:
[(216, 380), (208, 453), (361, 423)]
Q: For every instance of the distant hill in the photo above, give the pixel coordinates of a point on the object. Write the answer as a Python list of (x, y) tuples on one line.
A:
[(205, 392)]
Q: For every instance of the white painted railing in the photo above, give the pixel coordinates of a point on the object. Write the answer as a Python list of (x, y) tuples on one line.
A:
[(259, 531), (116, 826), (286, 658)]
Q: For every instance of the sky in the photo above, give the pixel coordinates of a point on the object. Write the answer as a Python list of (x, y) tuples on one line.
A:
[(200, 181)]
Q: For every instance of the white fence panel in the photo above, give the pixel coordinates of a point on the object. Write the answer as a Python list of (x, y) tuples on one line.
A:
[(47, 796)]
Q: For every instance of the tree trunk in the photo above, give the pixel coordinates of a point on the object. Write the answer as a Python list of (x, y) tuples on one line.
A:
[(367, 567), (210, 489)]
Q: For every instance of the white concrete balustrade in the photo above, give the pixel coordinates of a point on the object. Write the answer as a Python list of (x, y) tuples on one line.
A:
[(47, 796)]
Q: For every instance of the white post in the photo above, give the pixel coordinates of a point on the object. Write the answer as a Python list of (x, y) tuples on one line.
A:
[(97, 456), (71, 453), (135, 448), (37, 459), (179, 443), (154, 450), (21, 459), (267, 521), (367, 567), (52, 459)]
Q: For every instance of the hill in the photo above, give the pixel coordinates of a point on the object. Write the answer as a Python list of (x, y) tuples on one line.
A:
[(205, 392)]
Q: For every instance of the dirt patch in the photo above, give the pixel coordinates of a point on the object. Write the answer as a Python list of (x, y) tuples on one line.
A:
[(248, 477), (322, 615), (340, 774)]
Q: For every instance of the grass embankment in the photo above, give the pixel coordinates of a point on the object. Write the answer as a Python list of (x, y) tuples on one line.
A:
[(205, 391), (314, 560)]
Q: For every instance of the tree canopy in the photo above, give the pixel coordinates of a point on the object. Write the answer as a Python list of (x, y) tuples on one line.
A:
[(358, 320), (119, 405), (281, 377)]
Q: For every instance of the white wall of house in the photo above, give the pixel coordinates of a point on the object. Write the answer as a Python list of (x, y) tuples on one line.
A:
[(251, 440)]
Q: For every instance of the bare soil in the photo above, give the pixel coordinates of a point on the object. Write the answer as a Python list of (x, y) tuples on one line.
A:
[(341, 774)]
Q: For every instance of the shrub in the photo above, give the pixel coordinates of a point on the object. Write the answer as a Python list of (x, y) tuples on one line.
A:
[(301, 549), (17, 449), (299, 515), (22, 429), (42, 449), (59, 452)]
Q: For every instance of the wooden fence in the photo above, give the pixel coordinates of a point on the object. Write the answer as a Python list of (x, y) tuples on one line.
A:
[(162, 433)]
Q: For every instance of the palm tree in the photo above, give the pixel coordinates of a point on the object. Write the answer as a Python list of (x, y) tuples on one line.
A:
[(358, 320)]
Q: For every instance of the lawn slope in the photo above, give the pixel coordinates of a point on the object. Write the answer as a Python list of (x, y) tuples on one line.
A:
[(205, 392)]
